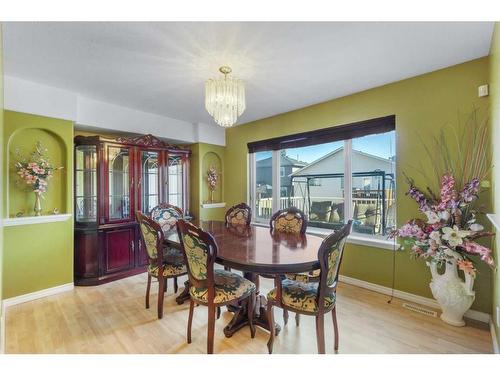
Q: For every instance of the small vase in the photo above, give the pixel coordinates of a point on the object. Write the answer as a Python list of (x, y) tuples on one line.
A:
[(211, 196), (38, 204), (454, 296)]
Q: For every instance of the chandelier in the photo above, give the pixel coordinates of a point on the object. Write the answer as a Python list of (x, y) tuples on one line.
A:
[(225, 98)]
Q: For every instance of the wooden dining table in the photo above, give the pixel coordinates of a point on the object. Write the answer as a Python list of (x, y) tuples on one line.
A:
[(255, 250)]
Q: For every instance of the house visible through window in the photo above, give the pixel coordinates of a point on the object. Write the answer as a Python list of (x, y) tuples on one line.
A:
[(311, 178)]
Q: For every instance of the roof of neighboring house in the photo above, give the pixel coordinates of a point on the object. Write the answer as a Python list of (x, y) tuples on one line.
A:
[(301, 171), (284, 162)]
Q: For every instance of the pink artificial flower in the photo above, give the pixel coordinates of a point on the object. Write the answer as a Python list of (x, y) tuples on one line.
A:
[(483, 252), (447, 191), (467, 267), (411, 230)]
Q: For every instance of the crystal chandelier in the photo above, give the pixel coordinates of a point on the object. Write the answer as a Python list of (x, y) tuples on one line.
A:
[(225, 98)]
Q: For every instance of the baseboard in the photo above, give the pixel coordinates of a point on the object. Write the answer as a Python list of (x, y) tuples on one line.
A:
[(36, 295), (430, 302), (496, 350)]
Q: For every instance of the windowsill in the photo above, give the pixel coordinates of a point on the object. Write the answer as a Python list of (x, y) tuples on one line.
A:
[(28, 220), (354, 238), (213, 205)]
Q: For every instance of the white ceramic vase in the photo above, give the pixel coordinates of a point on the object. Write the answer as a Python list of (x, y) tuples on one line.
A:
[(453, 295)]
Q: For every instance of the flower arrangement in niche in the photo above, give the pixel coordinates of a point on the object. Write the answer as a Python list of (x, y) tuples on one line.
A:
[(446, 235), (35, 172), (212, 179)]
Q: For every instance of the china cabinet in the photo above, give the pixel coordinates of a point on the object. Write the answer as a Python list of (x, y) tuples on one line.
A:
[(113, 179)]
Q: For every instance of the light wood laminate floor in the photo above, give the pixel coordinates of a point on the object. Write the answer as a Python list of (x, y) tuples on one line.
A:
[(111, 318)]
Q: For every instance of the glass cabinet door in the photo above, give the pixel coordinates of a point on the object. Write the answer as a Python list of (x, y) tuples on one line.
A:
[(86, 183), (118, 183), (175, 181), (150, 180)]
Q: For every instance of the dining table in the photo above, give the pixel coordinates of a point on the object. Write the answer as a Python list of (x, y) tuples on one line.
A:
[(256, 251)]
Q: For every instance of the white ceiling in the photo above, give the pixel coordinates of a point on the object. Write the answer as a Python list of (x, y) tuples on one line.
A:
[(161, 67)]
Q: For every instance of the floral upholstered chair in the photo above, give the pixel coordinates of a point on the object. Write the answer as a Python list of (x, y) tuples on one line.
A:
[(166, 215), (291, 220), (311, 298), (164, 263), (208, 286), (239, 214)]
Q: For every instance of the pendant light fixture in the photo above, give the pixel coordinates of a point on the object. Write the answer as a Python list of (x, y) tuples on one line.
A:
[(225, 98)]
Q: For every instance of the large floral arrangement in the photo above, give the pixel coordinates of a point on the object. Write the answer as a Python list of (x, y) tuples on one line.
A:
[(461, 162), (212, 178), (450, 230), (37, 170)]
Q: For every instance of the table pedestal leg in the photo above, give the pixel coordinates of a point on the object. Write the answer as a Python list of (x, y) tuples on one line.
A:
[(184, 296), (240, 318)]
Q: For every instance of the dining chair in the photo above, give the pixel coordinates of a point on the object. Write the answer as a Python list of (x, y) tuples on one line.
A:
[(167, 215), (291, 220), (163, 262), (208, 286), (239, 214), (310, 298)]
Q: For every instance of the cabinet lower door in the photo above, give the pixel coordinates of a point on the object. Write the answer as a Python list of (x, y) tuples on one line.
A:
[(119, 247)]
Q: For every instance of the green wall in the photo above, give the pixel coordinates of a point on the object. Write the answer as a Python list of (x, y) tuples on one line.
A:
[(495, 121), (37, 256), (422, 106)]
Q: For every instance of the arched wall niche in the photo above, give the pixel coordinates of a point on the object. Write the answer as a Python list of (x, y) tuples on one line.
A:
[(212, 159), (20, 197)]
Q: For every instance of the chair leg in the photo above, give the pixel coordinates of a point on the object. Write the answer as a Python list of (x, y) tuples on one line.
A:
[(297, 319), (176, 287), (190, 320), (320, 333), (161, 291), (335, 329), (270, 320), (285, 316), (148, 288), (250, 312), (218, 312), (211, 329)]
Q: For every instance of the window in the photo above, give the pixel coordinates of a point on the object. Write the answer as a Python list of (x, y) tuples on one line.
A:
[(317, 182), (315, 186), (263, 185), (373, 183)]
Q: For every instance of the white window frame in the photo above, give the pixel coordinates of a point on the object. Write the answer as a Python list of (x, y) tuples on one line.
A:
[(355, 238)]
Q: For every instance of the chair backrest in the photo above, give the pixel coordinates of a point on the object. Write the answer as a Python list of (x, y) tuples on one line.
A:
[(330, 255), (166, 215), (239, 214), (289, 220), (200, 252), (151, 237)]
